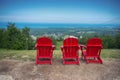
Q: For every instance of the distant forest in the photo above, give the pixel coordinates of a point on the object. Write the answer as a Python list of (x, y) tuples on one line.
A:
[(20, 39)]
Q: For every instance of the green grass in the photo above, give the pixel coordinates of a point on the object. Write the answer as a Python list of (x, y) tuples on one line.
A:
[(111, 53), (18, 54), (59, 43), (30, 54)]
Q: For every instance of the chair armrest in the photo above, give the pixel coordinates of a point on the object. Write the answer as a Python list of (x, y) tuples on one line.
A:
[(62, 48), (101, 47), (82, 46), (35, 45), (53, 46)]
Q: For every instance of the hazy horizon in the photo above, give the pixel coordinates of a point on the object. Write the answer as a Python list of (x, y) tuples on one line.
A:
[(58, 25)]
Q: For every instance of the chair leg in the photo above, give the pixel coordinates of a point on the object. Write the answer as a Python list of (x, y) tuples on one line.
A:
[(51, 61), (63, 61), (86, 59), (82, 57), (100, 60), (36, 60), (78, 61)]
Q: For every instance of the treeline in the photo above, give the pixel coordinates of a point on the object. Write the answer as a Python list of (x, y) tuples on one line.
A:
[(14, 38), (20, 39), (108, 42)]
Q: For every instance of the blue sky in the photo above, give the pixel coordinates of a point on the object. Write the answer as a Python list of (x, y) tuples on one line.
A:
[(60, 11)]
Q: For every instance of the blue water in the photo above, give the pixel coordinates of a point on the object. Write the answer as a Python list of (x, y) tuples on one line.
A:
[(56, 25)]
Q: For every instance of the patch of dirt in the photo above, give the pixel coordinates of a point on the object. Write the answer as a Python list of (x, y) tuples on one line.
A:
[(7, 66), (6, 77), (20, 70)]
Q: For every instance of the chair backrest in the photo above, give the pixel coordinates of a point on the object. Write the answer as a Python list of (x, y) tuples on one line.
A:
[(44, 47), (94, 41), (70, 41), (94, 46), (70, 47), (44, 41)]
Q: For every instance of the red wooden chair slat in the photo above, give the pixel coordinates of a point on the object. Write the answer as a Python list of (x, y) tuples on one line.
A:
[(44, 49), (70, 48), (93, 50)]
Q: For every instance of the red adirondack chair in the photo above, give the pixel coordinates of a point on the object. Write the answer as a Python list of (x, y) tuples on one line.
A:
[(44, 49), (93, 50), (70, 51)]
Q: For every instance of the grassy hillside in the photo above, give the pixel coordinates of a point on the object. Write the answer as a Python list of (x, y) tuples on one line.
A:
[(30, 54)]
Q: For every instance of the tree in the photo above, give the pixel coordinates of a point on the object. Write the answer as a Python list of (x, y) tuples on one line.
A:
[(2, 38), (13, 37), (25, 33), (118, 39), (108, 41), (28, 42), (83, 40)]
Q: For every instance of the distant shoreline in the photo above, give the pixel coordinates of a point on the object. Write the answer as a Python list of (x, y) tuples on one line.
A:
[(58, 25)]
